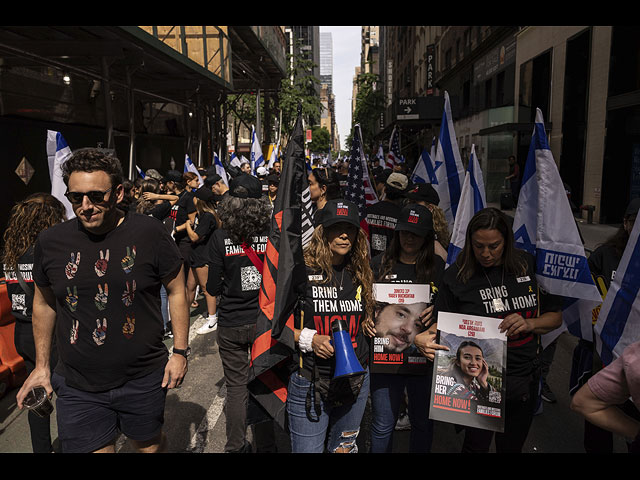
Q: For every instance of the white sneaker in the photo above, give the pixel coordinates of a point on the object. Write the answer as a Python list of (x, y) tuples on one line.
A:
[(209, 326)]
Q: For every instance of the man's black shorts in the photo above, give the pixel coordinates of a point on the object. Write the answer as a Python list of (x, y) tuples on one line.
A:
[(88, 421)]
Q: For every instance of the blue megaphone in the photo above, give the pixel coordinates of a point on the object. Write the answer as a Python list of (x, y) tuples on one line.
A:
[(347, 363)]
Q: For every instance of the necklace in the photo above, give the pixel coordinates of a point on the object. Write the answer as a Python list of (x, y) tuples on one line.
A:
[(342, 278), (498, 304)]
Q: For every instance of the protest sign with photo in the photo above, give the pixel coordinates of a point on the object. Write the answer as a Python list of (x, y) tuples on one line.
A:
[(468, 386), (397, 322)]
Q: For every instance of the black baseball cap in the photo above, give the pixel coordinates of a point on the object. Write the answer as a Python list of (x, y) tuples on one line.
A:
[(212, 179), (336, 211), (173, 176), (424, 192), (204, 193), (245, 186), (273, 179), (416, 219)]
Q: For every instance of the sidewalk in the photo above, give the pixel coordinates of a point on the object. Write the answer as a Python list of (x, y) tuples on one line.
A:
[(593, 234)]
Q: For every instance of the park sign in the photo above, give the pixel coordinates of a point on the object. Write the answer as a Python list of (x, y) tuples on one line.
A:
[(419, 108)]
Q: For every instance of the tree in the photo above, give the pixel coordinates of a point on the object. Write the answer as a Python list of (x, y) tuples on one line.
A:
[(320, 140), (369, 107), (299, 88)]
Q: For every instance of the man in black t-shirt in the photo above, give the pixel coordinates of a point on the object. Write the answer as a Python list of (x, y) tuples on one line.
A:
[(383, 216), (98, 280)]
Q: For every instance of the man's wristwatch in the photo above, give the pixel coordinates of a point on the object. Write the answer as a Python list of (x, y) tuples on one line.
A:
[(184, 352)]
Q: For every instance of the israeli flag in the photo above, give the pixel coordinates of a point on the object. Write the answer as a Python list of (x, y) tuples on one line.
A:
[(234, 160), (380, 156), (140, 172), (472, 200), (256, 152), (545, 227), (57, 153), (424, 171), (274, 156), (220, 169), (448, 166), (618, 324), (190, 167)]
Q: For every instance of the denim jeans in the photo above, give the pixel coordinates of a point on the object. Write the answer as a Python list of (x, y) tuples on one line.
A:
[(336, 427), (387, 392)]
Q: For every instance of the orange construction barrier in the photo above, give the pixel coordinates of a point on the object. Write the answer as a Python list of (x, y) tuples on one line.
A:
[(12, 369)]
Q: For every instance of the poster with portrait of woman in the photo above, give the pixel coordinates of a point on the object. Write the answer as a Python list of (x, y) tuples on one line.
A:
[(397, 320), (468, 386)]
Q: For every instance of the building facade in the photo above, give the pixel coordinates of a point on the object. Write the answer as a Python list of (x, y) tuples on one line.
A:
[(584, 79)]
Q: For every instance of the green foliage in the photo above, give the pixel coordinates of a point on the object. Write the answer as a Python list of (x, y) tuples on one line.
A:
[(299, 91), (369, 107), (320, 140)]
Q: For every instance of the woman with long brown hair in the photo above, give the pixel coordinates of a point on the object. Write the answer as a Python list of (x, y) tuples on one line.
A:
[(339, 292), (28, 218), (493, 278), (410, 258)]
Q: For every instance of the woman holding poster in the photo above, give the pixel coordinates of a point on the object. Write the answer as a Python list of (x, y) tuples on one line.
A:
[(409, 259), (491, 278), (325, 410)]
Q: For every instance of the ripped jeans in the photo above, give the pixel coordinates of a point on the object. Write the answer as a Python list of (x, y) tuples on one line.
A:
[(336, 428)]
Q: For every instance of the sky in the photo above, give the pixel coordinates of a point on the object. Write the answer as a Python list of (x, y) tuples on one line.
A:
[(346, 57)]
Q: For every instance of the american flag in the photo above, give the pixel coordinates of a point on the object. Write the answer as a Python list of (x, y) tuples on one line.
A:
[(359, 188), (394, 157)]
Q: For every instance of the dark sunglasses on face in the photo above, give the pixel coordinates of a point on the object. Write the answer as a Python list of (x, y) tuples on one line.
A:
[(93, 196)]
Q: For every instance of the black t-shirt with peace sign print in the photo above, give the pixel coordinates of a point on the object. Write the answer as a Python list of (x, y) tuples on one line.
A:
[(519, 294), (109, 326)]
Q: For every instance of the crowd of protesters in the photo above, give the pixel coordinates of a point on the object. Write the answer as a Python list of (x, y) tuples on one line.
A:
[(95, 297)]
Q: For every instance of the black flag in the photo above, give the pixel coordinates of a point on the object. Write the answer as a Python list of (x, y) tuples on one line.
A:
[(283, 282)]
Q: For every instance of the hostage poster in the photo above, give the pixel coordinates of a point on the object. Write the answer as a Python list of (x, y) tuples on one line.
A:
[(468, 385), (397, 322)]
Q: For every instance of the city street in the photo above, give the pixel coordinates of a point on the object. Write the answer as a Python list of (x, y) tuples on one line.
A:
[(195, 421)]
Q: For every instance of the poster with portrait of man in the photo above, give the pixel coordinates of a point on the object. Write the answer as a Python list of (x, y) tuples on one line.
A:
[(468, 384), (397, 320)]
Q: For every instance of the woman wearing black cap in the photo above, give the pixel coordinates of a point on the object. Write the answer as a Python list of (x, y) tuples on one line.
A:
[(236, 253), (492, 278), (425, 194), (410, 258), (603, 263), (339, 288)]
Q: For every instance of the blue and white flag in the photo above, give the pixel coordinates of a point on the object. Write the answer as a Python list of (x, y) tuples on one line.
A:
[(424, 171), (448, 166), (256, 152), (274, 156), (190, 167), (220, 169), (380, 156), (618, 324), (57, 153), (234, 161), (140, 172), (545, 227), (472, 200)]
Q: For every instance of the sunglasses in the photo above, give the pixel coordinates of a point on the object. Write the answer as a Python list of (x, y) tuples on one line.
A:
[(94, 196)]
